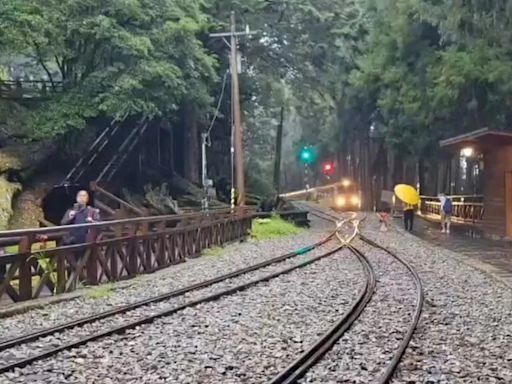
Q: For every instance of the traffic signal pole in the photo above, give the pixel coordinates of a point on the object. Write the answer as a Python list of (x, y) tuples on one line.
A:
[(306, 176), (307, 156)]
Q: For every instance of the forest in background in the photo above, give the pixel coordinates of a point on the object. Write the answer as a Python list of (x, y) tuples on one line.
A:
[(373, 84)]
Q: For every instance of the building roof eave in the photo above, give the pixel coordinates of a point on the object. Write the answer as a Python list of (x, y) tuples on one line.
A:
[(482, 137)]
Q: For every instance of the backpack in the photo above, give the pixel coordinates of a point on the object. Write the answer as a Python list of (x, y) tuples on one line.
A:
[(448, 207)]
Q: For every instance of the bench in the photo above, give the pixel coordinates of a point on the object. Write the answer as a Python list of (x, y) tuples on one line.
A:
[(298, 217)]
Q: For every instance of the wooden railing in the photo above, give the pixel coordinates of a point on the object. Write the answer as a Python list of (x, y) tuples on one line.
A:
[(110, 197), (29, 89), (36, 261), (467, 209)]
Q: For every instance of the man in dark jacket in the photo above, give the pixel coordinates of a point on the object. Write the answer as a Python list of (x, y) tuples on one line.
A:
[(81, 213)]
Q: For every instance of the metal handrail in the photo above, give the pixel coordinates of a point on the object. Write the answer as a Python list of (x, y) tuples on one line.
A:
[(472, 211), (453, 197)]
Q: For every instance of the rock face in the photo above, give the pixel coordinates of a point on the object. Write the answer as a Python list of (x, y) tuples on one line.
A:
[(7, 193), (27, 211), (19, 162)]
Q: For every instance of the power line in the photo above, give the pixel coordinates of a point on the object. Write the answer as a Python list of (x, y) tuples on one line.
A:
[(224, 82)]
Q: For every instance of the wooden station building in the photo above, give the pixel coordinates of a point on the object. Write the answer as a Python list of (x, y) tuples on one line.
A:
[(494, 149)]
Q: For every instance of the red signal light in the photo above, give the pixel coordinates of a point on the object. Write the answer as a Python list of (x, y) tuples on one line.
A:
[(328, 168)]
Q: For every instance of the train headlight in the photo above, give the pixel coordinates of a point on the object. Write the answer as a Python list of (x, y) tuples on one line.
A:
[(346, 183), (340, 201), (354, 200)]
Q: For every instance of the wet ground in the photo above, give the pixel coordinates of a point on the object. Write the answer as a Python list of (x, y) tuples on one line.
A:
[(493, 256)]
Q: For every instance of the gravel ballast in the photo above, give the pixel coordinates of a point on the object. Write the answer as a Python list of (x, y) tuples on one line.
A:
[(363, 353), (74, 334), (231, 258), (465, 332), (464, 335), (247, 337)]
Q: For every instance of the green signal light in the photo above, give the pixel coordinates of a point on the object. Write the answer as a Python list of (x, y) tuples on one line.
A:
[(307, 155)]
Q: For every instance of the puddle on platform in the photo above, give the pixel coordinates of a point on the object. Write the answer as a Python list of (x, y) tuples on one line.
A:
[(474, 234)]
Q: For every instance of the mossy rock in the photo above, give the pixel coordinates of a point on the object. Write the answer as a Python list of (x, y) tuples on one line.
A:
[(27, 210), (7, 192)]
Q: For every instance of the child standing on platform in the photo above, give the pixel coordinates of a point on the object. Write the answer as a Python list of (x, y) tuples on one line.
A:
[(383, 216)]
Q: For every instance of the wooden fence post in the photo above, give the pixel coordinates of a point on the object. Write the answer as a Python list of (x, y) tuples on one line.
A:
[(61, 272), (25, 269), (92, 260)]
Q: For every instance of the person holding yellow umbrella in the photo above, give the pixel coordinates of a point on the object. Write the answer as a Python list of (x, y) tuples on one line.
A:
[(410, 198)]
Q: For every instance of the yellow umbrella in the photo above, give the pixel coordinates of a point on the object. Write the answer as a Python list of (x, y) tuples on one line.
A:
[(407, 194)]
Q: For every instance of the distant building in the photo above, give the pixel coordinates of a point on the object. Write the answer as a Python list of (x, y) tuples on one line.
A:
[(491, 154)]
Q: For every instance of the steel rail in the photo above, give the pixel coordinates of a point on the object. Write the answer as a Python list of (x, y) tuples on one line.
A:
[(315, 353), (6, 344), (168, 312), (309, 358), (420, 298)]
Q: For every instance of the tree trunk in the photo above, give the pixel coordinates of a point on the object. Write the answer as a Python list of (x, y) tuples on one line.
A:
[(424, 188), (277, 160), (192, 157), (397, 170)]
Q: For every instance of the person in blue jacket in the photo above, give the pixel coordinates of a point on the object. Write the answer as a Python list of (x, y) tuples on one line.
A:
[(446, 213)]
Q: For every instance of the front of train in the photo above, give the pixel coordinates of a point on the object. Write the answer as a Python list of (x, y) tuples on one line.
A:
[(347, 197)]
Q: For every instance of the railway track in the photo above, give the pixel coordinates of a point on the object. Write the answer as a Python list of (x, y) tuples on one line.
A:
[(295, 371), (298, 368), (25, 340)]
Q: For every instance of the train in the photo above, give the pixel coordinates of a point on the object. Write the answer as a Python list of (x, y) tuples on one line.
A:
[(346, 196), (341, 196)]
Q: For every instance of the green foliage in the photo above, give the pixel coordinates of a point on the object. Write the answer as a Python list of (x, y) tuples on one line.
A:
[(275, 227), (259, 178), (420, 70), (3, 74), (116, 58), (102, 292), (48, 265)]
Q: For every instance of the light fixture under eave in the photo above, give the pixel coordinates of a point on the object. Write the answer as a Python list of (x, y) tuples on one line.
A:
[(467, 152)]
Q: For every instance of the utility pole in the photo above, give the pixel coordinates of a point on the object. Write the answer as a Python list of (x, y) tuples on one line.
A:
[(237, 134), (204, 171)]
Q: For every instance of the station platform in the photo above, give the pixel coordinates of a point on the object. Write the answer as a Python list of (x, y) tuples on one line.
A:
[(491, 256)]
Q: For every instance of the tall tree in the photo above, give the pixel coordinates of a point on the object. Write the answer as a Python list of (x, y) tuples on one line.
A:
[(135, 57)]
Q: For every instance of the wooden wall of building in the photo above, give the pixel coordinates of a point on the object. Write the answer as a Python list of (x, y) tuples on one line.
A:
[(498, 161)]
